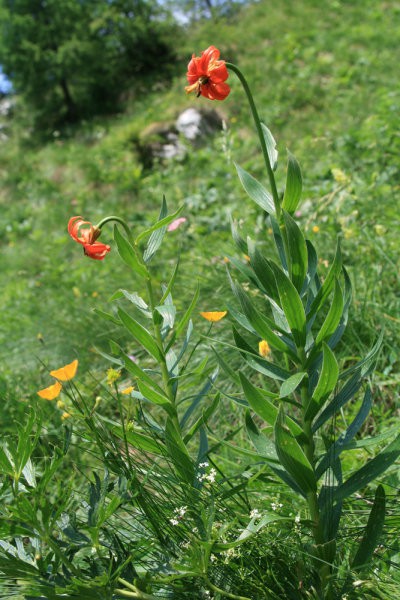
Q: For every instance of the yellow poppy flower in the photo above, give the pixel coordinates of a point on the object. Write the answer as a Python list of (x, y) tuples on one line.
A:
[(128, 390), (214, 316), (51, 392), (65, 373)]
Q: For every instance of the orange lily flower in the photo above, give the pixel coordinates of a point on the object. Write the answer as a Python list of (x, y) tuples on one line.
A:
[(51, 392), (214, 316), (86, 234), (207, 75)]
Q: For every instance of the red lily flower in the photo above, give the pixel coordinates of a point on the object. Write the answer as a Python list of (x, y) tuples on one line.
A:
[(207, 74), (86, 234)]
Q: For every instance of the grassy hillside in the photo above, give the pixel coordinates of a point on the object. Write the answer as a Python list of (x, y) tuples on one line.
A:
[(324, 77)]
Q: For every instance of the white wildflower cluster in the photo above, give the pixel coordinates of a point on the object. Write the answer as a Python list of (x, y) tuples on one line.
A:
[(255, 514), (209, 476), (230, 553), (179, 513), (276, 505)]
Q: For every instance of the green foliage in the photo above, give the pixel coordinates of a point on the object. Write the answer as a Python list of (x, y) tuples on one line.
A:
[(73, 59)]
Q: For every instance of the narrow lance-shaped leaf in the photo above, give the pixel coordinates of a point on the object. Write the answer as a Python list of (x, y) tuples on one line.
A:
[(134, 298), (262, 325), (292, 305), (161, 223), (107, 316), (256, 191), (178, 452), (291, 384), (128, 254), (168, 312), (183, 322), (333, 317), (198, 397), (139, 373), (139, 441), (358, 371), (342, 442), (372, 533), (297, 252), (263, 270), (260, 441), (292, 457), (231, 372), (327, 381), (263, 407), (157, 235), (328, 284), (294, 184), (237, 238), (171, 282), (279, 243), (370, 471), (140, 334), (312, 264), (156, 398), (202, 420), (271, 147)]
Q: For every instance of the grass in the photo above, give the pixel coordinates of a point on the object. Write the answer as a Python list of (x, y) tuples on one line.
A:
[(325, 80)]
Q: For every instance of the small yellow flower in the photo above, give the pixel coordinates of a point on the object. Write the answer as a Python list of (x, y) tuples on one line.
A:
[(348, 232), (65, 416), (95, 294), (51, 392), (379, 229), (60, 404), (315, 229), (214, 316), (246, 257), (263, 349), (226, 260), (128, 390), (339, 176), (112, 376)]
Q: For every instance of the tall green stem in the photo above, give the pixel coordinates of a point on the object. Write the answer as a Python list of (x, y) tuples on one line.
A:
[(324, 569), (157, 332), (117, 220), (260, 132)]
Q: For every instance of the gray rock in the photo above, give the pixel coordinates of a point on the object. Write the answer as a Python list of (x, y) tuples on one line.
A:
[(195, 123)]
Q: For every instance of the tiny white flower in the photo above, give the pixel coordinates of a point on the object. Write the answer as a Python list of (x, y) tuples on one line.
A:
[(174, 521), (212, 475), (297, 519), (180, 512), (255, 514)]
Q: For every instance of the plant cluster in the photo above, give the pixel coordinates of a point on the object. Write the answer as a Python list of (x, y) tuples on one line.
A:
[(164, 517)]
